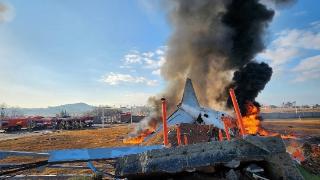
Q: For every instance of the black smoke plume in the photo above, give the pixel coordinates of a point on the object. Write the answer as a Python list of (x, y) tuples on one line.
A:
[(248, 20), (248, 82)]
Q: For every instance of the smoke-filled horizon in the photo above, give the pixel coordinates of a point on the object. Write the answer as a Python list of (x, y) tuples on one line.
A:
[(210, 41)]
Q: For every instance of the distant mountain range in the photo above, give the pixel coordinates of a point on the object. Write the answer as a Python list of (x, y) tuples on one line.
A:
[(72, 109)]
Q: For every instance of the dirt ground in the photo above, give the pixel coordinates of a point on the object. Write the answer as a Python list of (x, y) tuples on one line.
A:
[(92, 138), (112, 136), (44, 141), (302, 128)]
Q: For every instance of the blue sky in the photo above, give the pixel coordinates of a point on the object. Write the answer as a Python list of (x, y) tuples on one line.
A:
[(109, 52)]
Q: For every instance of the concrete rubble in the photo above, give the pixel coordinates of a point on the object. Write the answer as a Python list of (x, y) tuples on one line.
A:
[(311, 151), (221, 157)]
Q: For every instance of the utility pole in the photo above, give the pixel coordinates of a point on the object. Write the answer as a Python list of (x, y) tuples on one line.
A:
[(103, 119), (2, 112), (1, 116), (131, 114), (295, 105)]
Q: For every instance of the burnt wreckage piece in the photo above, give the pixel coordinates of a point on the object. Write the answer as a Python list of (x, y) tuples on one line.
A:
[(268, 151)]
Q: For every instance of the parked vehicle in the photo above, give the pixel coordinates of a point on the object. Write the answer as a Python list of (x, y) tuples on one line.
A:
[(72, 122), (40, 123), (14, 124)]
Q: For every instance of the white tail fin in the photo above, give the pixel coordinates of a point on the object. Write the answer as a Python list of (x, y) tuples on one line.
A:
[(189, 96)]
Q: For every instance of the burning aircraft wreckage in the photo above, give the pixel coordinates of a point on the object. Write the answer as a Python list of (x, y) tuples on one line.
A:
[(211, 41), (195, 144)]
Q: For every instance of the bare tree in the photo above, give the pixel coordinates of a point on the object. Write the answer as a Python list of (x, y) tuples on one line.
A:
[(16, 111), (3, 107)]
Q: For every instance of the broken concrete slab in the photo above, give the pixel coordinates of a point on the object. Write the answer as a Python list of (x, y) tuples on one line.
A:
[(270, 150), (232, 175)]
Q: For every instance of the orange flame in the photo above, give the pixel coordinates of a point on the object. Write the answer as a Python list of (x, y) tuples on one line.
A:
[(251, 121), (298, 155), (138, 139), (294, 149), (252, 125)]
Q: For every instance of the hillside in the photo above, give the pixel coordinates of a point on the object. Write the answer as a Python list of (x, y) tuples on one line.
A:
[(76, 108)]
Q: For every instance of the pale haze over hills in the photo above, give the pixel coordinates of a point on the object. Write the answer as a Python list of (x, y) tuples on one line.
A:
[(72, 109)]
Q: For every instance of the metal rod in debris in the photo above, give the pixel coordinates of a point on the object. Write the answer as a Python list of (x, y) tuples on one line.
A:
[(226, 127), (178, 134), (185, 138), (220, 135), (164, 121), (237, 110)]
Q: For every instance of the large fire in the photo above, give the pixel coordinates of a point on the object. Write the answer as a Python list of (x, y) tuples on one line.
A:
[(140, 134), (251, 120), (139, 138), (252, 125)]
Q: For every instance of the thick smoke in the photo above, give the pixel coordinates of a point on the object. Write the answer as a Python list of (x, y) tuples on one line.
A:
[(198, 49), (211, 39), (248, 81), (6, 13), (248, 20)]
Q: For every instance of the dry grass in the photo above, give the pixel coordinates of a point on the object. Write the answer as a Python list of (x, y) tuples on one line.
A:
[(93, 138), (113, 136), (303, 127)]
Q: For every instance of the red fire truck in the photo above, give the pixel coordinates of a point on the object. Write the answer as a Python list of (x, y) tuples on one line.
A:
[(14, 124)]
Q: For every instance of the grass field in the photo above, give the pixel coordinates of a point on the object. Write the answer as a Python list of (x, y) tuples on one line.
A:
[(113, 136), (102, 137), (303, 128), (93, 138)]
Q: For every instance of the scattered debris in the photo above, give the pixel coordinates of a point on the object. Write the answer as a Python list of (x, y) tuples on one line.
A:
[(312, 157), (256, 172), (232, 175)]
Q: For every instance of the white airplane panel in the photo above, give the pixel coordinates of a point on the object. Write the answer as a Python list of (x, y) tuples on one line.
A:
[(179, 117)]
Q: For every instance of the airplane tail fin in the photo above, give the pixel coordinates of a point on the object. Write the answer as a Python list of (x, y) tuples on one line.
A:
[(189, 96)]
